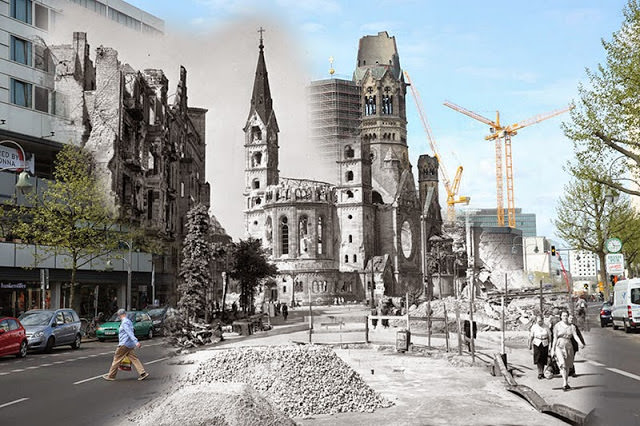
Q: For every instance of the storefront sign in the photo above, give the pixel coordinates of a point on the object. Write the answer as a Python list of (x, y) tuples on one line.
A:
[(13, 285), (11, 159), (614, 263)]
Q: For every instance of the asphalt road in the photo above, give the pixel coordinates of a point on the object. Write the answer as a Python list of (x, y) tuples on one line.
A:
[(617, 355), (66, 387)]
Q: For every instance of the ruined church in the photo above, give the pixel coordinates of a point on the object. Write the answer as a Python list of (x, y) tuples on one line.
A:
[(360, 237)]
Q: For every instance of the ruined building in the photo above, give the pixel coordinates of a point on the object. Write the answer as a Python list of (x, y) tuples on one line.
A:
[(359, 237), (149, 146)]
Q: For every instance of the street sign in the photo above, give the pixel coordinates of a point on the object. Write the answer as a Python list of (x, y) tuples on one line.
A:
[(615, 263), (614, 245)]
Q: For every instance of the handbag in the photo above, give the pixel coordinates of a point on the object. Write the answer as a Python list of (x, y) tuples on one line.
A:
[(125, 364)]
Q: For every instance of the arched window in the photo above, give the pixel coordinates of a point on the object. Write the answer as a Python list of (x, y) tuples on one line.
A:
[(348, 152), (349, 176), (346, 258), (256, 184), (256, 133), (284, 235), (387, 104), (377, 198), (355, 258), (257, 159), (258, 201), (370, 105), (303, 234), (320, 231), (349, 194)]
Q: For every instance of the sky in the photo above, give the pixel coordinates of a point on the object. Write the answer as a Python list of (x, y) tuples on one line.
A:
[(522, 58)]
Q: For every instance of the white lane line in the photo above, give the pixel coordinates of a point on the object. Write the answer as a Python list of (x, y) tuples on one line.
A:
[(4, 374), (13, 402), (17, 370), (157, 360), (597, 364), (624, 373), (82, 357), (32, 367), (58, 362), (46, 365), (88, 380)]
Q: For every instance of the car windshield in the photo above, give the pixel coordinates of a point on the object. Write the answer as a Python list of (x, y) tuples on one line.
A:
[(156, 313), (606, 305), (116, 318), (35, 318)]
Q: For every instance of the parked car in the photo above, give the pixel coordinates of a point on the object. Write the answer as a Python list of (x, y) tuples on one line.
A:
[(13, 337), (625, 311), (605, 314), (142, 326), (53, 327), (159, 317)]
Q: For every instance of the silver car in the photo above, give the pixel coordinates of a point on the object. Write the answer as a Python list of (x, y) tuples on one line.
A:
[(48, 328)]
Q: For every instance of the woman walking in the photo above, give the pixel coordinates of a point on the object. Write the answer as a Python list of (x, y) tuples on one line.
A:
[(539, 339), (562, 348)]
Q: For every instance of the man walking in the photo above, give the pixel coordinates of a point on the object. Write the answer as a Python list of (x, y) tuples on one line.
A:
[(127, 343)]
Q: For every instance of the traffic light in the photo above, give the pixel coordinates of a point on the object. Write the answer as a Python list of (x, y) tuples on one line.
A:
[(614, 279), (553, 250)]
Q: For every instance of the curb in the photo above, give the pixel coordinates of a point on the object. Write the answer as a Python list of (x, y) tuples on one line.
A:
[(561, 411)]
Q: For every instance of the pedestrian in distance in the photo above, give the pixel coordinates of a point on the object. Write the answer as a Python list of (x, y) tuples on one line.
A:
[(374, 321), (127, 344), (285, 311), (574, 343), (562, 348), (539, 340)]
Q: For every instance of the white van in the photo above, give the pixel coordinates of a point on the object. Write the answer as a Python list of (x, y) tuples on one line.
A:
[(625, 311)]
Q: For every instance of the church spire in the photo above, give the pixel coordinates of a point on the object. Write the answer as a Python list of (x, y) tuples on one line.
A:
[(261, 101)]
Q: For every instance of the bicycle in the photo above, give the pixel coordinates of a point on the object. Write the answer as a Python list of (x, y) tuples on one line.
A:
[(88, 327)]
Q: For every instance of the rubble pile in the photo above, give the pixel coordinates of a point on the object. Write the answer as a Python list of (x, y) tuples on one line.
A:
[(189, 335), (519, 312), (302, 381), (222, 404)]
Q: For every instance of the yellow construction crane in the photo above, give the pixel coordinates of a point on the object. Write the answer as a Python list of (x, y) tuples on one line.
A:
[(452, 189), (497, 133)]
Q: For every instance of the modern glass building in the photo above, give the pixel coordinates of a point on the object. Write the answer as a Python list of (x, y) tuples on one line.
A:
[(488, 218)]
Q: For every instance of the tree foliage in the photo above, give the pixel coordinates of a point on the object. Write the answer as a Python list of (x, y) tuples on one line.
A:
[(605, 121), (195, 271), (72, 216), (249, 265), (585, 219)]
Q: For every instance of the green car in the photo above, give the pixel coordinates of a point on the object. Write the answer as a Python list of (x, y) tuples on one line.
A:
[(142, 326)]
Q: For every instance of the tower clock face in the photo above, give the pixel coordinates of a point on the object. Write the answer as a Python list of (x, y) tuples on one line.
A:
[(406, 239)]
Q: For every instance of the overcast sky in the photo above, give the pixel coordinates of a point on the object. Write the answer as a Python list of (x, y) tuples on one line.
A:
[(522, 58)]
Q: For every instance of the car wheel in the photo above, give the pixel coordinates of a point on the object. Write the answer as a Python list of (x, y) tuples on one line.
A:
[(603, 324), (76, 343), (150, 334), (627, 329), (23, 350), (49, 346), (101, 339)]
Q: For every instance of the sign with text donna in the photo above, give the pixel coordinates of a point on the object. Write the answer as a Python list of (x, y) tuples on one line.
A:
[(615, 263)]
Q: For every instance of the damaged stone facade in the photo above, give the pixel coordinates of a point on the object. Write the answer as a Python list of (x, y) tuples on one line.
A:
[(150, 151)]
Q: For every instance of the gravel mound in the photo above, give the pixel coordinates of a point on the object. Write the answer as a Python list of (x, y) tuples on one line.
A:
[(300, 380), (213, 404)]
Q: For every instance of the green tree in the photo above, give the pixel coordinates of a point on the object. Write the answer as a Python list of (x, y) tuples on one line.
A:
[(195, 270), (72, 216), (249, 265), (605, 121), (585, 219)]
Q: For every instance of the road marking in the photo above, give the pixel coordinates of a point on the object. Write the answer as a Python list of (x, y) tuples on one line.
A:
[(4, 374), (82, 357), (13, 402), (32, 367), (17, 370), (624, 373), (597, 364), (46, 365), (157, 360), (88, 380), (58, 362)]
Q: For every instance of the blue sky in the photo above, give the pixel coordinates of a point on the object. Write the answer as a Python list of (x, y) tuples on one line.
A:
[(519, 57)]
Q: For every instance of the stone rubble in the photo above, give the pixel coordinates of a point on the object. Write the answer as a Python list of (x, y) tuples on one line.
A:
[(301, 380)]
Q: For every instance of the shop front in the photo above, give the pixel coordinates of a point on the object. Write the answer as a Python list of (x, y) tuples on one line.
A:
[(19, 297)]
